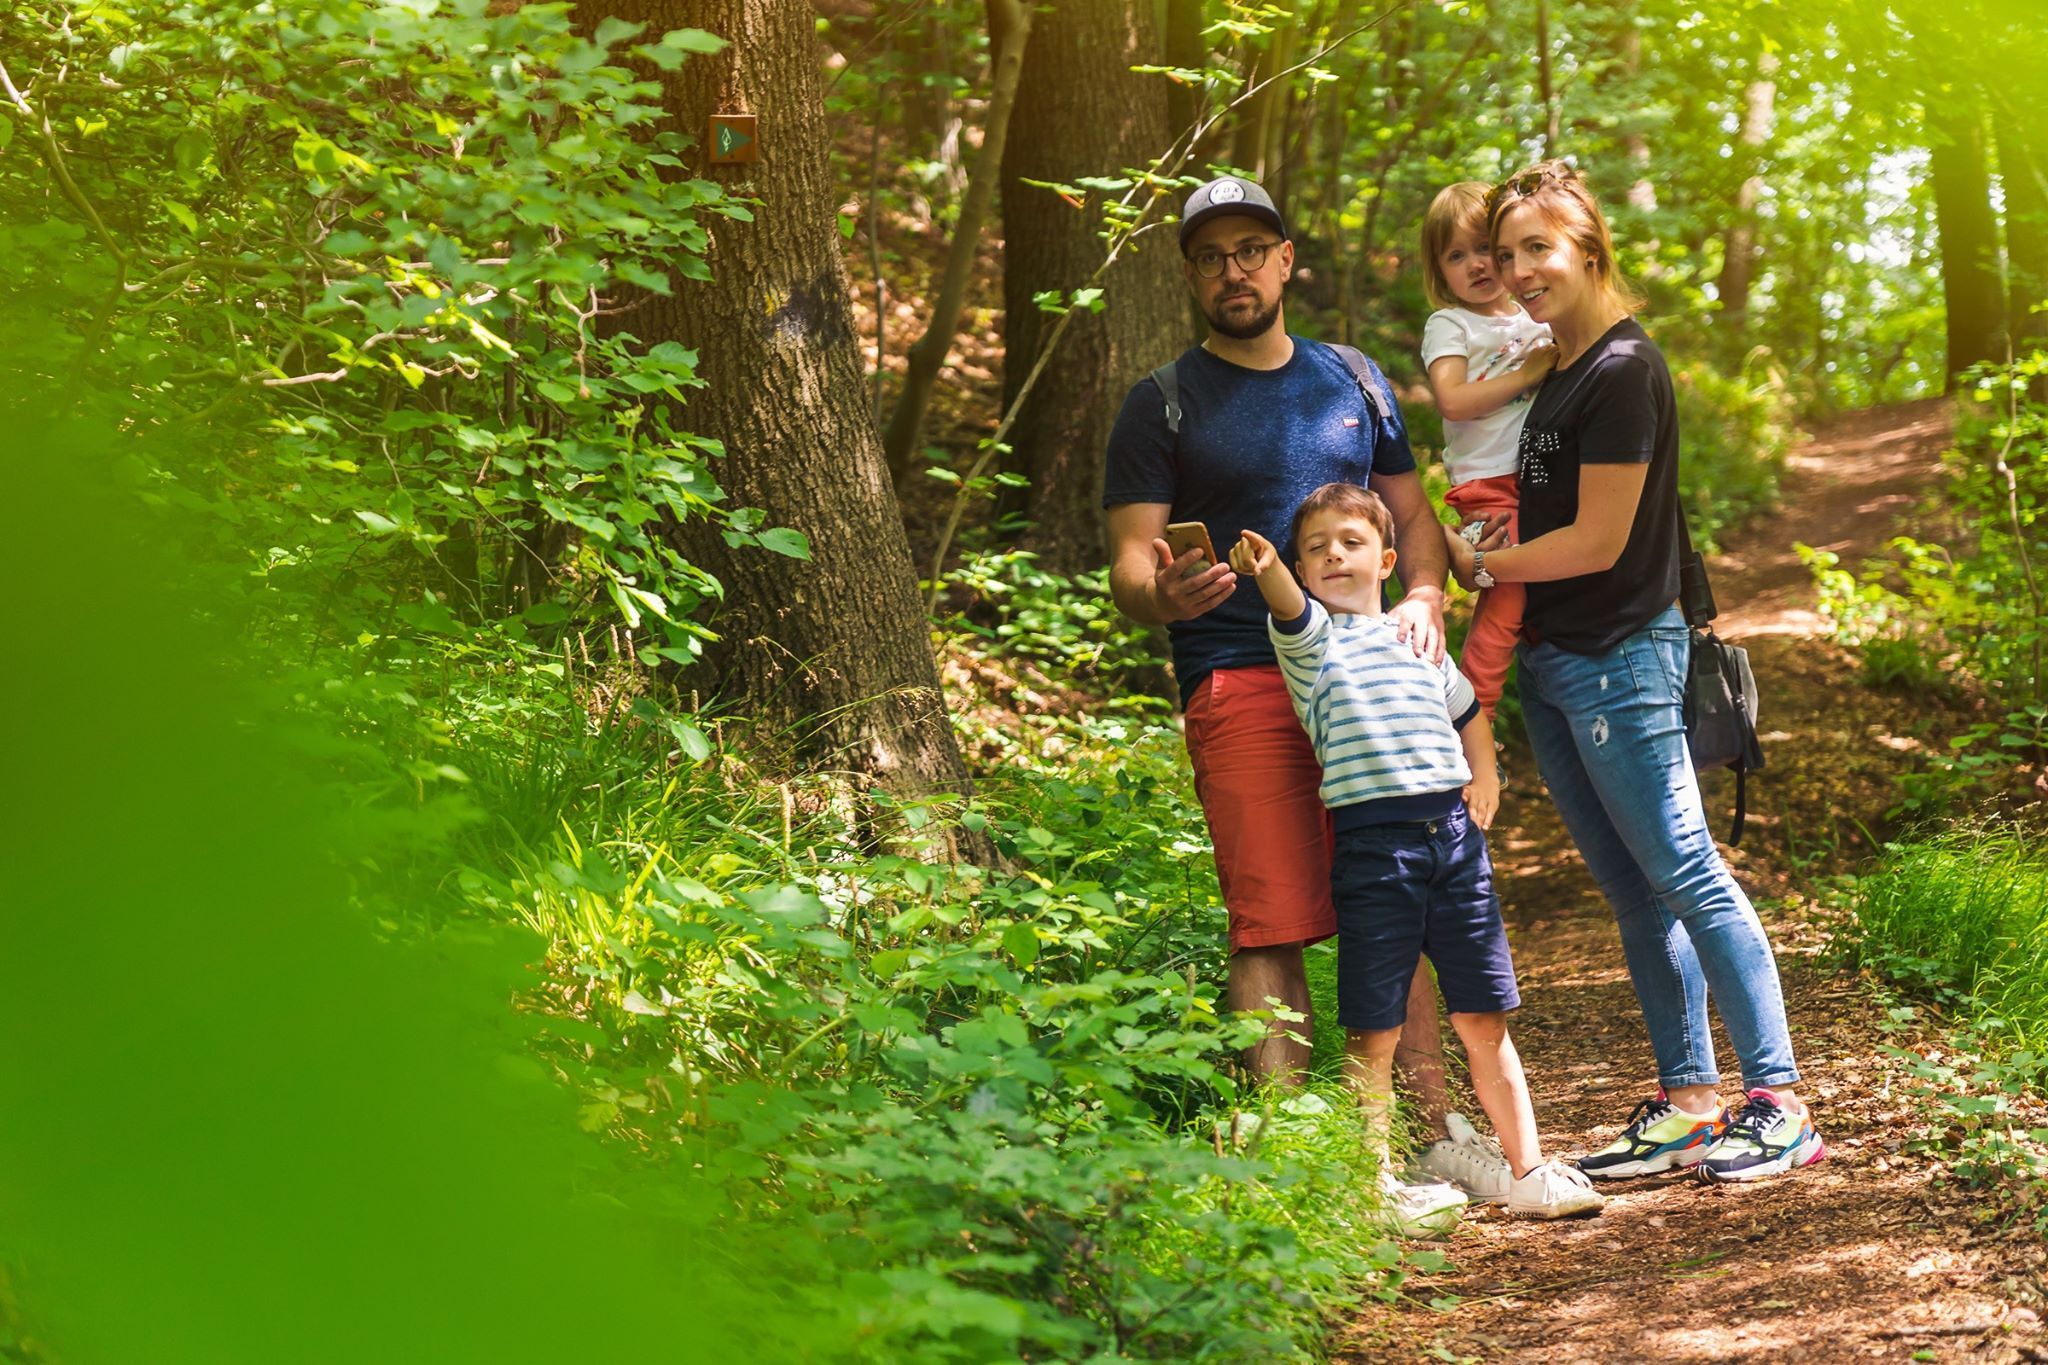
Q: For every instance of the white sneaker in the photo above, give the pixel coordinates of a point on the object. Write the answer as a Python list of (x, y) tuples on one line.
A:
[(1553, 1190), (1471, 1162), (1428, 1210)]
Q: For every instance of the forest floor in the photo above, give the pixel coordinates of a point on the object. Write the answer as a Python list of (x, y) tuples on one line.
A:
[(1867, 1255)]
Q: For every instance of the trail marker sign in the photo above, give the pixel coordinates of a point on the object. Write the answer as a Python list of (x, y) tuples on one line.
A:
[(733, 139)]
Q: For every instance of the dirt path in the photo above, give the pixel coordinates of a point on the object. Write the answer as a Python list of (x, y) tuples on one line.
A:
[(1861, 1257)]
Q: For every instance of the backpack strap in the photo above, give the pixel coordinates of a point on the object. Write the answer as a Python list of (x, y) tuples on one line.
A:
[(1368, 380), (1741, 804), (1168, 381)]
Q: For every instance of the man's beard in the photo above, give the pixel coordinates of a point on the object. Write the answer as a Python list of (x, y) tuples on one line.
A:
[(1256, 324)]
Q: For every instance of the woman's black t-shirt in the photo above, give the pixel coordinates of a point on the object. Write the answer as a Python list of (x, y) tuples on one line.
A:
[(1613, 405)]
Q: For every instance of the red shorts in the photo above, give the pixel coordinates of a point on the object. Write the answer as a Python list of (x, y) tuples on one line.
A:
[(1258, 781)]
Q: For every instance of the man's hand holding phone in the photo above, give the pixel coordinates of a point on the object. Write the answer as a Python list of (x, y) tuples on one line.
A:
[(1188, 584)]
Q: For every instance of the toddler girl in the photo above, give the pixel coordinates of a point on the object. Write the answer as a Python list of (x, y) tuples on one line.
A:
[(1484, 356)]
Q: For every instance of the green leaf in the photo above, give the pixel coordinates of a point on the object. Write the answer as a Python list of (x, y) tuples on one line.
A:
[(696, 745), (784, 541), (616, 30), (632, 272), (692, 40), (1020, 941), (183, 214), (6, 131), (379, 523), (667, 58)]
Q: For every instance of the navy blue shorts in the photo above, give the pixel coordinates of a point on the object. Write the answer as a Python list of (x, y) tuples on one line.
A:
[(1412, 889)]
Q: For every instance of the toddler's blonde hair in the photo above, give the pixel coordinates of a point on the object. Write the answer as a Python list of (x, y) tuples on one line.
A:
[(1456, 208)]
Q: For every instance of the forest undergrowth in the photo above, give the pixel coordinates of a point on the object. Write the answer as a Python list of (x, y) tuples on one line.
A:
[(401, 931)]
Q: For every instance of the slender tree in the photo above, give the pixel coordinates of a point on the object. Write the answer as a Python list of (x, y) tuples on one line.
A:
[(1968, 227), (2023, 174), (928, 353), (832, 650), (1739, 244), (1089, 115)]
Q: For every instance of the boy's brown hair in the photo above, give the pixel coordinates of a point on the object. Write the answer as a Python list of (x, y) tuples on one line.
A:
[(1342, 497), (1456, 208)]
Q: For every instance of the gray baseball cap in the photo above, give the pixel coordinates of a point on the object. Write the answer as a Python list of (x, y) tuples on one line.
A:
[(1224, 196)]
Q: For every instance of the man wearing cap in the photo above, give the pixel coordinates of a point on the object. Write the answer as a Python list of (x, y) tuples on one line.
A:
[(1264, 419)]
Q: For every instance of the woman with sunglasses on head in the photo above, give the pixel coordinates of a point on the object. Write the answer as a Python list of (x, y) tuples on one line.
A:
[(1602, 666)]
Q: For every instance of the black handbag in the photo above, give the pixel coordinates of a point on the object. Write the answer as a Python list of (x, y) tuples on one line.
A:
[(1720, 690)]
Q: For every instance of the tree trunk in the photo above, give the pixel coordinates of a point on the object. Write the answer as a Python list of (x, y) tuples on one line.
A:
[(1738, 250), (1188, 49), (1545, 87), (833, 652), (928, 353), (1970, 283), (1089, 115), (2023, 171)]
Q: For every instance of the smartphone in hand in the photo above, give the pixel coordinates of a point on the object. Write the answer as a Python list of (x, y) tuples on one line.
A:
[(1183, 536)]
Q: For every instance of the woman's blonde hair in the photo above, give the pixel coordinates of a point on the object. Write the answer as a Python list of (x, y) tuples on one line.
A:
[(1556, 191), (1456, 208)]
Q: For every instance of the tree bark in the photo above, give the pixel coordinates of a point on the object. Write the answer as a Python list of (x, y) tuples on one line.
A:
[(833, 653), (1970, 283), (1635, 143), (1738, 249), (1089, 115), (1545, 86), (928, 353), (2023, 171), (1187, 49)]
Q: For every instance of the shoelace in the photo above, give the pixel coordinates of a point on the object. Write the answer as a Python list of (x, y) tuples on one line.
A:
[(1648, 1112), (1750, 1123)]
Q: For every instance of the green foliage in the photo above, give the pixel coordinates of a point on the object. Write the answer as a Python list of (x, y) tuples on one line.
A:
[(1006, 607), (1734, 432), (1966, 609), (1960, 920), (1980, 1092), (995, 1097), (1966, 910), (369, 250)]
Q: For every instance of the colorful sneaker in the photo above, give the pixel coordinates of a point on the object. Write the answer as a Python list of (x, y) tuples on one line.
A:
[(1659, 1136), (1465, 1159), (1553, 1190), (1427, 1210), (1764, 1139)]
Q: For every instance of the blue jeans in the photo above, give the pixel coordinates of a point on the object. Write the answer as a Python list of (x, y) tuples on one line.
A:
[(1609, 735)]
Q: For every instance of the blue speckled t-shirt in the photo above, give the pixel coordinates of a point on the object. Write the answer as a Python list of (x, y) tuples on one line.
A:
[(1252, 445)]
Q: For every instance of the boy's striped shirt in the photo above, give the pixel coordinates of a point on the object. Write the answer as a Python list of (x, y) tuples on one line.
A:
[(1383, 722)]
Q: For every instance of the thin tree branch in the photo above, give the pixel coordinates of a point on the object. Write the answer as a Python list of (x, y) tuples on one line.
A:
[(53, 157)]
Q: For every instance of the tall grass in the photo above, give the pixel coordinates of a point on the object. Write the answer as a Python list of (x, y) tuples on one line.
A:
[(1966, 909)]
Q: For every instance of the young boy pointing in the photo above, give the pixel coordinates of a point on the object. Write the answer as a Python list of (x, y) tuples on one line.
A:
[(1409, 778)]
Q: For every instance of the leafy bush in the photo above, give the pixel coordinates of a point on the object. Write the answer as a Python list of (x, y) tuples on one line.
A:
[(1004, 1098), (1734, 431), (363, 248), (1005, 606)]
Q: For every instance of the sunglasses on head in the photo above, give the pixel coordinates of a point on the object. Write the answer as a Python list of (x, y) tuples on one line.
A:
[(1529, 182)]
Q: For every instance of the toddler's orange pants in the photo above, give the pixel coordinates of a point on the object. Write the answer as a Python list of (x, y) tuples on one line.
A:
[(1497, 615)]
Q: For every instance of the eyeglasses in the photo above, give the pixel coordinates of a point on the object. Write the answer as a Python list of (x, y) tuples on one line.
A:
[(1249, 257)]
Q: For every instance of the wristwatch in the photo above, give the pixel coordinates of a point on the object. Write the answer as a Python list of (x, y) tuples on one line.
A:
[(1479, 574)]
